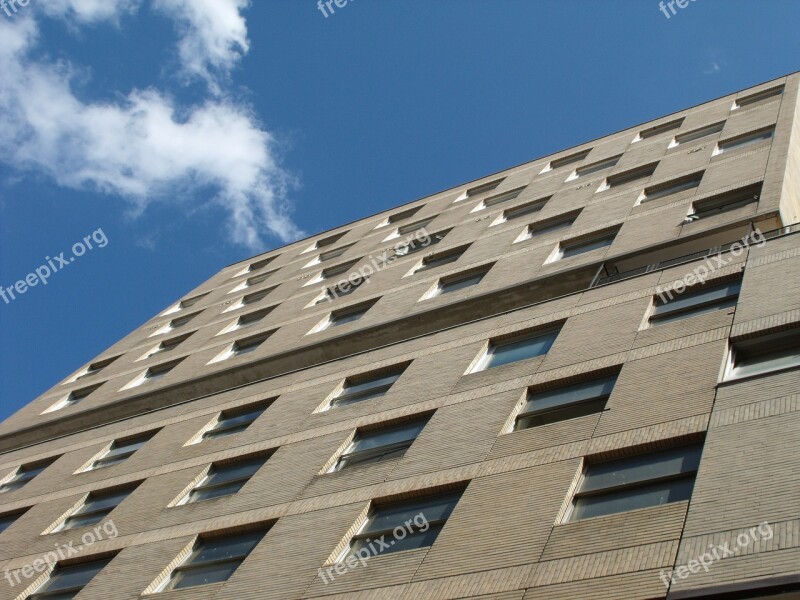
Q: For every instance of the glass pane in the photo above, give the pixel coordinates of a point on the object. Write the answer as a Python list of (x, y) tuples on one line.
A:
[(202, 576), (460, 284), (640, 497), (700, 133), (74, 576), (82, 521), (748, 140), (433, 509), (238, 420), (348, 317), (573, 411), (606, 164), (233, 547), (520, 350), (234, 471), (104, 501), (597, 388), (7, 521), (413, 226), (671, 317), (386, 437), (365, 390), (520, 211), (674, 189), (217, 492), (371, 457), (417, 539), (583, 247), (642, 468), (699, 297), (541, 230), (789, 357)]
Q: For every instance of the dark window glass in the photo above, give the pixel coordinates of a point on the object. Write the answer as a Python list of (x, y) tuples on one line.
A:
[(24, 475), (8, 520), (230, 423), (637, 482), (225, 480), (453, 285), (122, 451), (565, 403), (66, 582), (691, 304), (519, 349), (375, 446), (96, 508), (367, 388), (588, 245)]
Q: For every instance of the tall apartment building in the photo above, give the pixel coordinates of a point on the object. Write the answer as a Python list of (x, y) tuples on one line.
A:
[(577, 378)]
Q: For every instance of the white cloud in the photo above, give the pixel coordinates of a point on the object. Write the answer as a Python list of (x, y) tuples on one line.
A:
[(144, 147), (88, 11), (213, 35)]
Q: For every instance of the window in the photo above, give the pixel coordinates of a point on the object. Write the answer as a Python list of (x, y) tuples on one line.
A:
[(213, 560), (330, 240), (247, 346), (96, 367), (515, 349), (724, 202), (498, 199), (637, 482), (594, 167), (367, 387), (697, 134), (629, 176), (344, 288), (412, 227), (425, 517), (658, 129), (122, 450), (578, 400), (569, 249), (549, 226), (342, 317), (758, 97), (65, 583), (166, 346), (175, 324), (693, 303), (382, 444), (400, 216), (440, 259), (73, 398), (231, 422), (529, 208), (251, 319), (415, 244), (480, 189), (154, 374), (96, 507), (8, 519), (566, 160), (459, 282), (336, 270), (331, 254), (743, 141), (675, 186), (24, 474), (764, 354), (258, 265), (225, 479), (186, 303), (254, 281)]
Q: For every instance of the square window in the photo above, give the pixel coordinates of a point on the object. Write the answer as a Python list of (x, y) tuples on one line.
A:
[(596, 167), (225, 479), (422, 519), (459, 282), (367, 387), (517, 348), (523, 210), (566, 160), (122, 450), (96, 507), (570, 249), (765, 354), (743, 141), (548, 226), (337, 270), (415, 244), (562, 403), (343, 316), (440, 259), (724, 202), (758, 97), (213, 560), (636, 174), (23, 475), (412, 227), (658, 129), (498, 199), (166, 346), (480, 189), (67, 582), (231, 422), (381, 444), (697, 134), (669, 188), (96, 367), (637, 482), (693, 302), (8, 519)]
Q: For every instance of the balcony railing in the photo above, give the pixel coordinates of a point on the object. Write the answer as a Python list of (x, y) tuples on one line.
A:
[(605, 277)]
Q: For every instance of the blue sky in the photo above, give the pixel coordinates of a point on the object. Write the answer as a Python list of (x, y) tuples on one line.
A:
[(196, 133)]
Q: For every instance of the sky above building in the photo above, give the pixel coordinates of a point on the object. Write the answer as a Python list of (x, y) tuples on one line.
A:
[(153, 142)]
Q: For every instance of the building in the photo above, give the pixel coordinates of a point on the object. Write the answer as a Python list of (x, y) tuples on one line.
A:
[(577, 378)]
